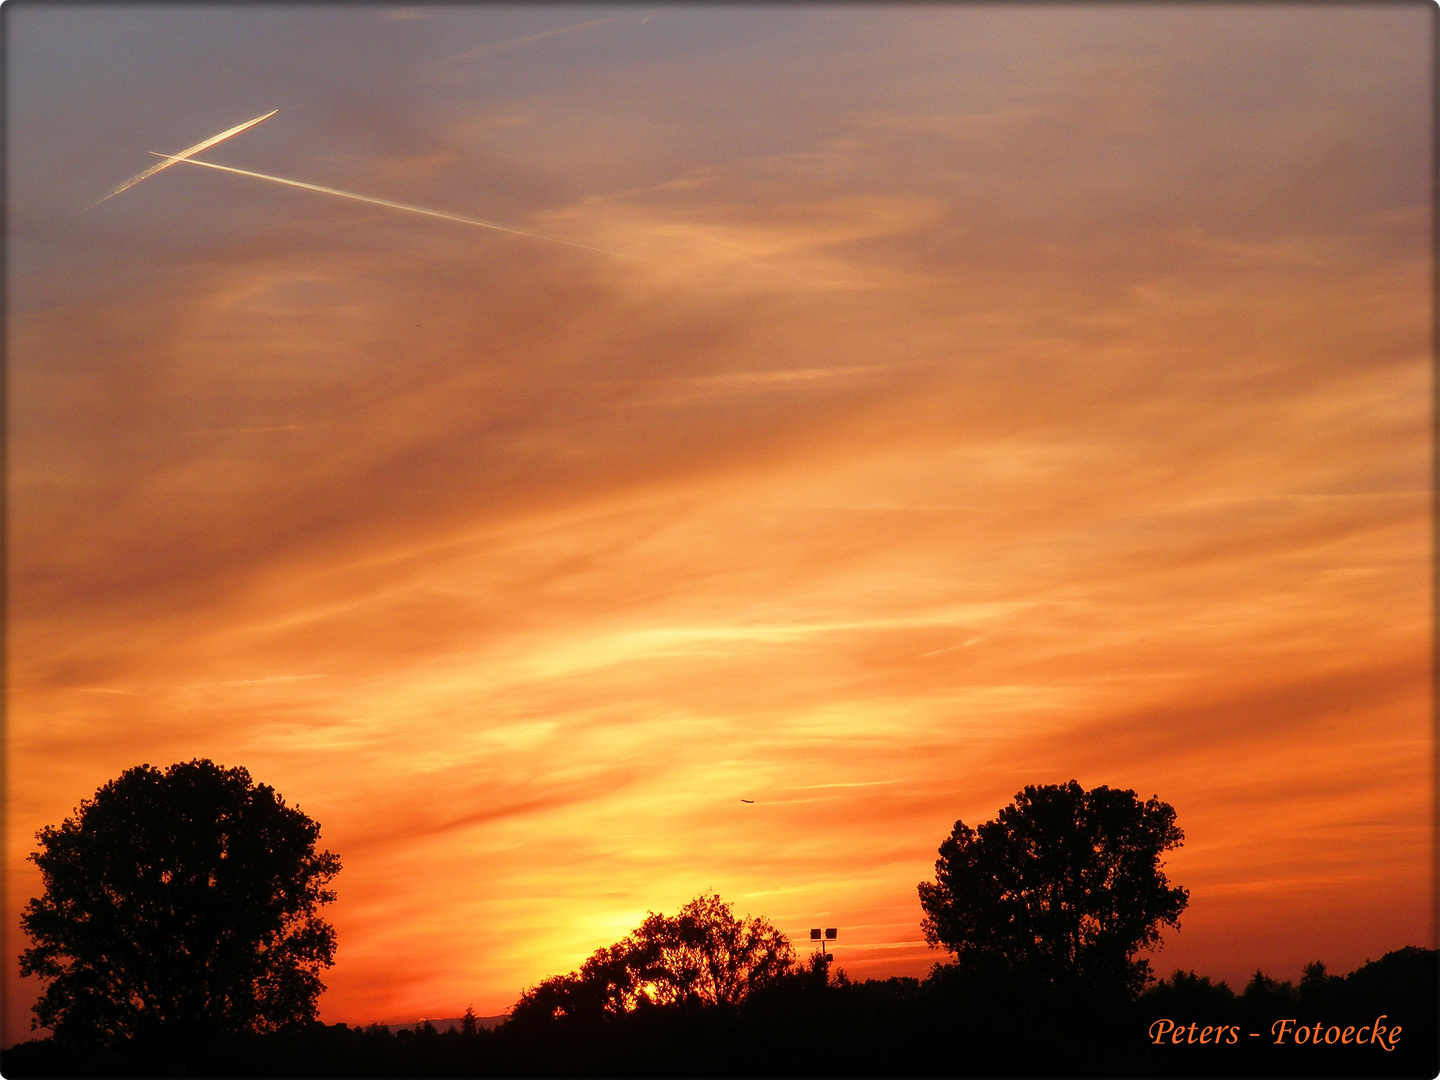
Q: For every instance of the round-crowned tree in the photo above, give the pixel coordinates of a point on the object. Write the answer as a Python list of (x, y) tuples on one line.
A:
[(182, 901), (1065, 885), (705, 955)]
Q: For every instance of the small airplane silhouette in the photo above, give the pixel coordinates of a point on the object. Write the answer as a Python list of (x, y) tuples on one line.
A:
[(747, 800)]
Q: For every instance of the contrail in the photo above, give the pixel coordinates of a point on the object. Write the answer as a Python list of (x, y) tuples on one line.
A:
[(444, 216), (183, 155)]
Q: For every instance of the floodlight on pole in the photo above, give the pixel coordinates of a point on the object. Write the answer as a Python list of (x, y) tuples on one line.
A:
[(830, 934)]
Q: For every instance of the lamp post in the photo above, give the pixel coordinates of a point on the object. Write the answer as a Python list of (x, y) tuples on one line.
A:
[(831, 933)]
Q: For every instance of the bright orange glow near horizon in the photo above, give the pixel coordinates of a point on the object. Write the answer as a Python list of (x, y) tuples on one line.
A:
[(995, 396)]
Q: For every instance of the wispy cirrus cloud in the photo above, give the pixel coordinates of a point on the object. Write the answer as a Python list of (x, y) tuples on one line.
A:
[(1007, 396)]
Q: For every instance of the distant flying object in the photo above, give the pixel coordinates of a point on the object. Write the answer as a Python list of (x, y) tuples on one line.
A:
[(183, 155), (747, 800)]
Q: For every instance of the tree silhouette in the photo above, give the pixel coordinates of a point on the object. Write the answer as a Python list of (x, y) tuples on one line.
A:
[(1064, 885), (605, 984), (703, 955), (708, 955), (179, 901)]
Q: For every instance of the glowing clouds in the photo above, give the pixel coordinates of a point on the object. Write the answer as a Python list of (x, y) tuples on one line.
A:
[(930, 463)]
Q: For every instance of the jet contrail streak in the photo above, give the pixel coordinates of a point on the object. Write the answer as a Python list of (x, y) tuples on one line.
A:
[(183, 155), (444, 216)]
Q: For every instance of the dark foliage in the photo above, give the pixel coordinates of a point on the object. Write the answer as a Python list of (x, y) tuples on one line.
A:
[(179, 905), (704, 955), (1045, 909), (812, 1022), (1063, 888), (1400, 990)]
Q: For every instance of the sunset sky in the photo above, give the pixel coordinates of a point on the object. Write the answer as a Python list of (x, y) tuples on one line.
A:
[(981, 396)]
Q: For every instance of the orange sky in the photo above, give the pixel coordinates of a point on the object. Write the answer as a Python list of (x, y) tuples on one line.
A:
[(995, 396)]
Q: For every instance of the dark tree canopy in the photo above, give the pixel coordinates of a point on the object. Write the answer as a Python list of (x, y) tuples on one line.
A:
[(1064, 885), (182, 900), (704, 955)]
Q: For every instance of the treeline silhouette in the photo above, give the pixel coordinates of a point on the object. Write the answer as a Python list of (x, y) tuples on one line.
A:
[(179, 933), (815, 1021)]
